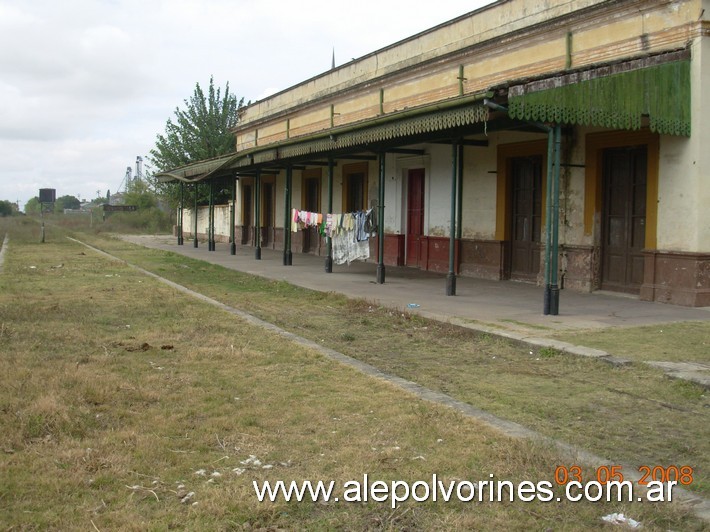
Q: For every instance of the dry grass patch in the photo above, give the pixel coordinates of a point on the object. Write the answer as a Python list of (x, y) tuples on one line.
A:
[(672, 342), (126, 405), (631, 414)]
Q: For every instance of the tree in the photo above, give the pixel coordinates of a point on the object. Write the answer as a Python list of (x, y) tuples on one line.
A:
[(33, 206), (138, 193), (66, 202), (6, 208), (201, 130)]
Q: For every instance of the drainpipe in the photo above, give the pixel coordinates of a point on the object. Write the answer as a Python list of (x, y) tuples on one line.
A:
[(288, 256), (257, 214), (232, 219), (194, 214), (328, 239), (554, 287), (381, 224), (451, 276), (182, 205)]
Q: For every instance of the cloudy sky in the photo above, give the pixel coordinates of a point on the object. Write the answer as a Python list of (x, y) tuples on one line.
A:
[(86, 85)]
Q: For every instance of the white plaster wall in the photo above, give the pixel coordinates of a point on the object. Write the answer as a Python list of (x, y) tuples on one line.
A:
[(437, 194), (684, 173), (296, 186), (572, 194), (280, 198), (394, 195), (701, 104), (478, 218), (221, 220)]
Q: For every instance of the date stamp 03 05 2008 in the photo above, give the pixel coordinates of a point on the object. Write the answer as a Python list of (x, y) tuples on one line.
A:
[(683, 475)]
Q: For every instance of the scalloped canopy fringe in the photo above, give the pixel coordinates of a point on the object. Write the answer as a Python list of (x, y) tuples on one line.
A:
[(618, 101)]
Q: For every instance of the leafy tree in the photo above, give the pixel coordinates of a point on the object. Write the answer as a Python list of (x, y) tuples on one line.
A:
[(66, 202), (138, 193), (33, 206), (6, 208), (201, 130)]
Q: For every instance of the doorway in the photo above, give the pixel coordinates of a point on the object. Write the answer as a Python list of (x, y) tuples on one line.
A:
[(624, 181), (415, 216), (311, 203), (354, 187), (526, 223)]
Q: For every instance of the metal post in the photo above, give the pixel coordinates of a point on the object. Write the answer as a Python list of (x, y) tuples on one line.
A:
[(381, 223), (257, 215), (41, 215), (548, 219), (328, 239), (451, 276), (194, 214), (180, 240), (554, 288), (232, 216), (288, 256)]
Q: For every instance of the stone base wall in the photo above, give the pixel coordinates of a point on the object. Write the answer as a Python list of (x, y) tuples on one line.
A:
[(676, 277), (482, 258)]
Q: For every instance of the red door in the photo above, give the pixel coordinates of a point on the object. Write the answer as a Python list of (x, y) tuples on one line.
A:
[(415, 215)]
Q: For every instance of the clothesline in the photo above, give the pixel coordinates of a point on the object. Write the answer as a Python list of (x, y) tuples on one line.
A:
[(333, 223), (349, 231)]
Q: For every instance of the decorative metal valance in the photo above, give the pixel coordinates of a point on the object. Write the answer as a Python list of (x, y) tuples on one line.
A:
[(618, 100), (394, 129)]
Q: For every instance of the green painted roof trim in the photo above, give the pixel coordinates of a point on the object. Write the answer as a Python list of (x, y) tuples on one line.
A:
[(619, 101)]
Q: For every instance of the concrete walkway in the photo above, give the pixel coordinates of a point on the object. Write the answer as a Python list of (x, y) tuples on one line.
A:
[(504, 308), (499, 305)]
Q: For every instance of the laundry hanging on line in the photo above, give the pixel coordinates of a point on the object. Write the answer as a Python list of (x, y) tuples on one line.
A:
[(350, 232)]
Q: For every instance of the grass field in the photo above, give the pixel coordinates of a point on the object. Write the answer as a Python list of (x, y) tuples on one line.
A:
[(671, 342), (120, 397)]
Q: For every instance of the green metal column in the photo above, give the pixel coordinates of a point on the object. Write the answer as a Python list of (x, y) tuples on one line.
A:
[(210, 220), (554, 287), (548, 219), (328, 239), (451, 276), (194, 216), (232, 219), (381, 223), (288, 256), (182, 206), (257, 215)]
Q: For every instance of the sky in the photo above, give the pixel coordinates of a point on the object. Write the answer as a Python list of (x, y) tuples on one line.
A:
[(87, 85)]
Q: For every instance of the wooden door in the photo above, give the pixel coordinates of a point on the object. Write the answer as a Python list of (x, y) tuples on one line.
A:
[(415, 216), (623, 218), (526, 188)]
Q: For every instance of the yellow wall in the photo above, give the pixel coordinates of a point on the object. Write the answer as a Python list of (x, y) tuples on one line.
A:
[(482, 43)]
